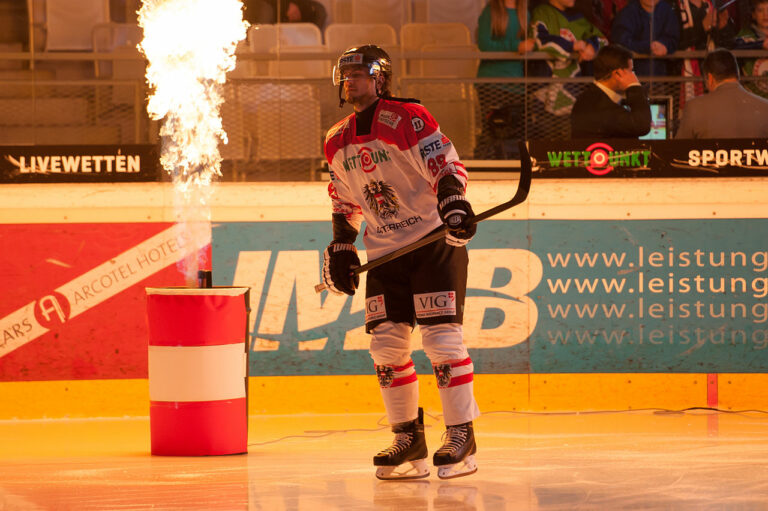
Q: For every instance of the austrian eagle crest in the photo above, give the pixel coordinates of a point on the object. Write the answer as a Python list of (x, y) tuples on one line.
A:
[(381, 199)]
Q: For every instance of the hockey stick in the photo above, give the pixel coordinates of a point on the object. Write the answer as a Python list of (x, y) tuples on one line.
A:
[(523, 186)]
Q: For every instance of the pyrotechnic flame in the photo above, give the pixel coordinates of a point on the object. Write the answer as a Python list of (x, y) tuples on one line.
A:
[(190, 46)]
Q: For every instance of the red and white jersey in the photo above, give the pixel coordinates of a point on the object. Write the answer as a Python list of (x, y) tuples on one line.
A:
[(389, 177)]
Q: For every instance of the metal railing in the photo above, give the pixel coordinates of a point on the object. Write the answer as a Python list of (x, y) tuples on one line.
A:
[(276, 123)]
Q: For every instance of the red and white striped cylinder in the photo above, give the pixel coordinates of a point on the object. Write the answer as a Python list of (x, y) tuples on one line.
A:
[(198, 368)]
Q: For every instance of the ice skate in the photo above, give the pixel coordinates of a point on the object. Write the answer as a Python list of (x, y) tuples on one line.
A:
[(406, 457), (456, 457)]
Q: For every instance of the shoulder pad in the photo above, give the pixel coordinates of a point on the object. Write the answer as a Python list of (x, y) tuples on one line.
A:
[(338, 128)]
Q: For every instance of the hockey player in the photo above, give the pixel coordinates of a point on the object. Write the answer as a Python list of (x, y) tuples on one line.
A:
[(392, 167)]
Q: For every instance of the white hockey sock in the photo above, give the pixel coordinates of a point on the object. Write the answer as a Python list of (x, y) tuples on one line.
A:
[(455, 383), (400, 391), (453, 368)]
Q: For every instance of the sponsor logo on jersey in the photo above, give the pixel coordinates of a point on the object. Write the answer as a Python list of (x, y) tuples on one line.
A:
[(417, 123), (434, 146), (428, 305), (374, 308), (398, 225), (366, 159), (389, 118), (381, 199)]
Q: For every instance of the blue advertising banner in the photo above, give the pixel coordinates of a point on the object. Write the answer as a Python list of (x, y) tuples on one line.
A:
[(544, 296)]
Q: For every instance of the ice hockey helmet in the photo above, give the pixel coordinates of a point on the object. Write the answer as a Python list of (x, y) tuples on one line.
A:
[(371, 56)]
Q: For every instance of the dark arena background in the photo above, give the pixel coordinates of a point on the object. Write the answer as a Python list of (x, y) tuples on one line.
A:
[(617, 318)]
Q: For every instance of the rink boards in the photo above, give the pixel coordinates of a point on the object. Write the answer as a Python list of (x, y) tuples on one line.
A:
[(594, 294)]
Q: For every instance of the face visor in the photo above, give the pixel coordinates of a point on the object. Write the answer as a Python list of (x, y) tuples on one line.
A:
[(353, 62)]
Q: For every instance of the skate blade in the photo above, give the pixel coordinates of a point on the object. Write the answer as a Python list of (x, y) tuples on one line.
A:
[(463, 468), (417, 469)]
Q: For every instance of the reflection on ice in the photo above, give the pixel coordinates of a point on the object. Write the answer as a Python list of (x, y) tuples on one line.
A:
[(632, 460)]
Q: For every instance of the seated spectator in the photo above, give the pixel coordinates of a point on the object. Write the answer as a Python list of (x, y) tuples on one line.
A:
[(648, 27), (755, 37), (570, 40), (291, 11), (502, 26), (615, 105), (729, 110)]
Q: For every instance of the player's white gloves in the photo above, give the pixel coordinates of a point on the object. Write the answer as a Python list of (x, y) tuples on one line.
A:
[(455, 212), (339, 259)]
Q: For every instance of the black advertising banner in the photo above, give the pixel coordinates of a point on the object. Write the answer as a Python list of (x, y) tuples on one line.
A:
[(79, 164), (649, 158)]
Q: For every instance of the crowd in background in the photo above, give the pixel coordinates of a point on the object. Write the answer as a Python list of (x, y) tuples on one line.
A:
[(553, 39), (572, 32)]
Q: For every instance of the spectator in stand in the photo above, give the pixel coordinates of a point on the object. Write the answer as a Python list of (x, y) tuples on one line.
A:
[(615, 105), (729, 110), (701, 28), (601, 12), (755, 37), (570, 40), (291, 11), (502, 26), (648, 27)]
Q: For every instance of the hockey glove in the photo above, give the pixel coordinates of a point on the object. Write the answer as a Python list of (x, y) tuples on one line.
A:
[(339, 260), (455, 212)]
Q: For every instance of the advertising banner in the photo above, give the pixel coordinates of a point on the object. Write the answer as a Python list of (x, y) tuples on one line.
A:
[(83, 164), (543, 296), (74, 306), (649, 158)]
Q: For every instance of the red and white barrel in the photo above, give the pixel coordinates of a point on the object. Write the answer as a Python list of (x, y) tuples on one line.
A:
[(198, 368)]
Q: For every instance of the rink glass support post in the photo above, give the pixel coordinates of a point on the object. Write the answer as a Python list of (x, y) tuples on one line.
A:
[(198, 370)]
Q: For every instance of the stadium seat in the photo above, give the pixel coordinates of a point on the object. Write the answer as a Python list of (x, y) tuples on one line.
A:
[(395, 13), (419, 37), (232, 122), (452, 104), (340, 36), (299, 34), (456, 68), (288, 38), (341, 11), (117, 37), (120, 39), (280, 121), (456, 11), (69, 23)]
